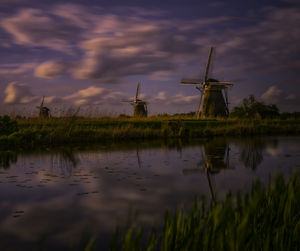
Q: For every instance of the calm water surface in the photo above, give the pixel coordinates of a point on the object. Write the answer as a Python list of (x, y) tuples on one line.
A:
[(56, 195)]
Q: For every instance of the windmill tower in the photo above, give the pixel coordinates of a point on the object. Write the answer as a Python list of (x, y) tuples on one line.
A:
[(215, 103), (140, 106), (44, 111)]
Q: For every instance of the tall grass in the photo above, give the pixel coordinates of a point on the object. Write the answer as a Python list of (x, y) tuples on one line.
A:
[(35, 131), (266, 219)]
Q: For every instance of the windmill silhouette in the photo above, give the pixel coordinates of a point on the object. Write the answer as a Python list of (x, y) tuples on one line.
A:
[(44, 111), (215, 103), (140, 106)]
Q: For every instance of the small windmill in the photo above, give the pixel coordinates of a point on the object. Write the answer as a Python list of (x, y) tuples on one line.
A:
[(44, 111), (140, 106), (215, 103)]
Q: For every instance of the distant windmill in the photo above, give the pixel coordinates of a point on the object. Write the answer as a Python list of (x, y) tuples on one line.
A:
[(44, 111), (140, 106), (215, 103)]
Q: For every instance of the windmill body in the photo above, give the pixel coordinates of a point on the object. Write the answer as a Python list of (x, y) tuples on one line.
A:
[(44, 111), (215, 101), (140, 109), (214, 104), (139, 106)]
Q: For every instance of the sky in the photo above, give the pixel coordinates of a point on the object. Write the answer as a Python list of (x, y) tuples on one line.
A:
[(93, 53)]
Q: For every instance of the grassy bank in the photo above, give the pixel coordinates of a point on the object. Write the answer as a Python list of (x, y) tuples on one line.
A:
[(266, 219), (55, 131)]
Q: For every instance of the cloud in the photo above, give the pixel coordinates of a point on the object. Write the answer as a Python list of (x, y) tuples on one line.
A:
[(51, 69), (94, 95), (112, 44), (178, 99), (18, 94), (272, 95), (275, 95), (35, 27), (132, 47), (16, 69)]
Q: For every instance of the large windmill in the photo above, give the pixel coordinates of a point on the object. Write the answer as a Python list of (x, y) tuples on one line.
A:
[(140, 106), (44, 111), (215, 103)]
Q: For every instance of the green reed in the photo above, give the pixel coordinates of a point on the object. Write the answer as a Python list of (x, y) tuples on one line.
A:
[(268, 218)]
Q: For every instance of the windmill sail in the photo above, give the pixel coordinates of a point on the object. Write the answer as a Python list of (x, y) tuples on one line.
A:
[(208, 64), (137, 91)]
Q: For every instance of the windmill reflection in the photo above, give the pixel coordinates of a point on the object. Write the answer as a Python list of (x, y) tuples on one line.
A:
[(65, 160), (214, 158), (7, 158)]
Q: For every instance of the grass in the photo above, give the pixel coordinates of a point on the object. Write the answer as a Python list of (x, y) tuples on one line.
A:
[(266, 219), (57, 131)]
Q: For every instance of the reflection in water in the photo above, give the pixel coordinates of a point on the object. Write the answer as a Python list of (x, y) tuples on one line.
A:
[(7, 158), (65, 160), (252, 151), (214, 158), (101, 184)]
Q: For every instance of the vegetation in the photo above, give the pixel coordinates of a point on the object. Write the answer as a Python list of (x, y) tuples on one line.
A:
[(32, 132), (251, 109), (266, 219), (7, 126)]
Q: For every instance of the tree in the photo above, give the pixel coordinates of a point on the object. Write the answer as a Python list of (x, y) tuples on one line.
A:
[(253, 109)]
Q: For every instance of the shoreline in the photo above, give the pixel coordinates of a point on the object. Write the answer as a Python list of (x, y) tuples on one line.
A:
[(58, 132)]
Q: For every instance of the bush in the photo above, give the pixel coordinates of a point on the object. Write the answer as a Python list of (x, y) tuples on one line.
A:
[(8, 125)]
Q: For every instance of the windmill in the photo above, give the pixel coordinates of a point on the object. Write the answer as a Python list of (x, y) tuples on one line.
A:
[(140, 106), (215, 103), (44, 111)]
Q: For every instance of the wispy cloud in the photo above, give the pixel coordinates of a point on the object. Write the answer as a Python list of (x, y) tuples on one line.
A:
[(16, 69), (51, 69), (17, 93)]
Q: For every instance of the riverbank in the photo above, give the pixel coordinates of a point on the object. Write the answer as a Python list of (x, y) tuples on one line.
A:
[(58, 131)]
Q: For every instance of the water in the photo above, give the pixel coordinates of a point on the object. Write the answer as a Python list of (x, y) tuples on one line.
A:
[(55, 196)]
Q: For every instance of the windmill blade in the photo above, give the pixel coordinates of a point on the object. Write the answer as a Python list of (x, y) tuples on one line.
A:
[(190, 81), (226, 100), (208, 64), (219, 83), (137, 91), (199, 106), (138, 157), (127, 100), (139, 101), (42, 103), (211, 186)]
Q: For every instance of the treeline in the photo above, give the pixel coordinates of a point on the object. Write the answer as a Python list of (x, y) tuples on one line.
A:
[(253, 109)]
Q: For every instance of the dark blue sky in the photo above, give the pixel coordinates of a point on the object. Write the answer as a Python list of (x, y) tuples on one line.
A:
[(93, 53)]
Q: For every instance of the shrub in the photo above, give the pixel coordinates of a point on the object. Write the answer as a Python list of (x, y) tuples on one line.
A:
[(8, 125)]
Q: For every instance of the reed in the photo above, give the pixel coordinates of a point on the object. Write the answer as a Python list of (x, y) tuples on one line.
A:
[(55, 131), (268, 218)]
